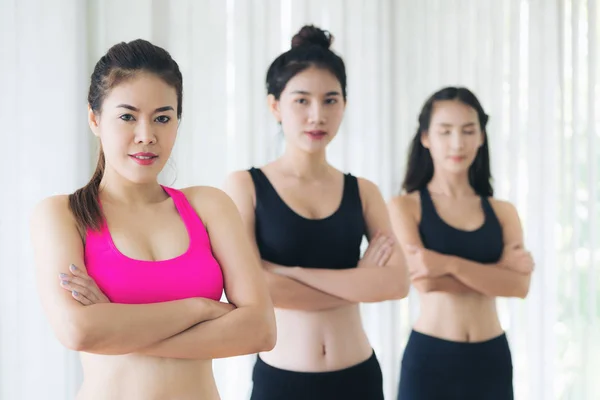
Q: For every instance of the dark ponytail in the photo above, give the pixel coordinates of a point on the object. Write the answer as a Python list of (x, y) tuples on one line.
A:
[(84, 202)]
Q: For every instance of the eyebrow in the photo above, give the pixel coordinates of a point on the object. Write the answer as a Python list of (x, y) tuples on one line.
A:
[(304, 92), (132, 108), (445, 125)]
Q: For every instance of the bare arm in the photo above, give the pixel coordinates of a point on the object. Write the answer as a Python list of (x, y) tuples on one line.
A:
[(250, 328), (369, 283), (403, 213), (291, 294), (446, 283), (498, 281), (100, 328), (285, 292)]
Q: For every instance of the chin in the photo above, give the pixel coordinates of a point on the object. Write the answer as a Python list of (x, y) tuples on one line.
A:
[(141, 179), (462, 168), (314, 148)]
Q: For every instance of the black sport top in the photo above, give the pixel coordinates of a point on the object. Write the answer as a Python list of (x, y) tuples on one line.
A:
[(483, 245), (286, 238)]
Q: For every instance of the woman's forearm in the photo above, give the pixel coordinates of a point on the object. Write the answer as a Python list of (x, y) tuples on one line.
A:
[(288, 293), (113, 329), (245, 330), (358, 285), (489, 279)]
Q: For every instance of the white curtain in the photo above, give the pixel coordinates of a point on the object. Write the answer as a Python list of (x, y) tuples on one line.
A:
[(533, 63)]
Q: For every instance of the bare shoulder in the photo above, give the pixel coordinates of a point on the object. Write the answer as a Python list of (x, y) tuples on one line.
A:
[(366, 186), (211, 204), (206, 198), (505, 210), (53, 211), (369, 191), (407, 204), (54, 230), (239, 182)]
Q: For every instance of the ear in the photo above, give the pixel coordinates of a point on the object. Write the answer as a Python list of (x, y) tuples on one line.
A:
[(273, 104), (93, 121), (425, 139)]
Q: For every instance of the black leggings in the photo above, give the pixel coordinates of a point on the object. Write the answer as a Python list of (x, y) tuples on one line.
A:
[(438, 369), (359, 382)]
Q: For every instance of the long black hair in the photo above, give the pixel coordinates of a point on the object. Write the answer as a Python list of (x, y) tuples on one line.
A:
[(419, 170)]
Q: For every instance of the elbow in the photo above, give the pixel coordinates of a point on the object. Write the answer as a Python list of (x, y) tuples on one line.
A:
[(71, 341), (268, 341), (402, 289), (522, 291), (397, 292), (398, 288), (266, 332), (79, 333), (74, 337), (521, 288)]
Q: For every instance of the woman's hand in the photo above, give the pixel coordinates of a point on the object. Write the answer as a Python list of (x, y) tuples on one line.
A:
[(378, 253), (424, 263), (82, 287), (517, 259)]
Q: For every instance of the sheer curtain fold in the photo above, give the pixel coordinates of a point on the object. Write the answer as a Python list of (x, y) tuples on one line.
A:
[(533, 64)]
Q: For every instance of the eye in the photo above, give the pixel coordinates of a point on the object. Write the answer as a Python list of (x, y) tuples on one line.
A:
[(301, 101), (163, 119), (468, 132), (444, 132), (331, 101), (127, 117)]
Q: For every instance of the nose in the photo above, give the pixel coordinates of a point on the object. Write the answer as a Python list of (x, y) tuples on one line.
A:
[(317, 114), (144, 134), (457, 140)]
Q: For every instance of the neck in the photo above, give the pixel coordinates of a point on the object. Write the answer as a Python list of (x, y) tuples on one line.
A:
[(116, 189), (451, 184), (304, 165)]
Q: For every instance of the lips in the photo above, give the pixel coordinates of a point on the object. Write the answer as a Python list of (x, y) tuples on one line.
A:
[(144, 158), (317, 135)]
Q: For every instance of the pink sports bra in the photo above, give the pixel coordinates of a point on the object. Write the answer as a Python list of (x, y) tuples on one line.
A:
[(195, 273)]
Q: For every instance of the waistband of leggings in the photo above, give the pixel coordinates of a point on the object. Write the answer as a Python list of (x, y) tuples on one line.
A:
[(368, 363)]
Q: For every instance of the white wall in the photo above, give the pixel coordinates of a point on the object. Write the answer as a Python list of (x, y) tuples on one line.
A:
[(533, 63)]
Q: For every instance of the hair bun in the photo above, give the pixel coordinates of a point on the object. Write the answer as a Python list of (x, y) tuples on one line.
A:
[(310, 35)]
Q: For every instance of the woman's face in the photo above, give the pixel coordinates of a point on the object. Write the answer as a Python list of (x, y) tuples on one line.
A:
[(137, 127), (310, 109), (454, 136)]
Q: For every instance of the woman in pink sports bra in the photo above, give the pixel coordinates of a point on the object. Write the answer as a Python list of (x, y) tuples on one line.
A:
[(130, 273)]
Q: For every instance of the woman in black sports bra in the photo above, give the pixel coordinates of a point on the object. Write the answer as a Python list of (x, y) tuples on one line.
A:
[(464, 248), (308, 220)]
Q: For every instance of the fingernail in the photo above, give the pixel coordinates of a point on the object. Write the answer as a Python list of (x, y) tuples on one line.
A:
[(64, 283), (75, 293), (73, 268), (63, 275)]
